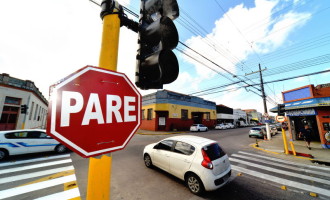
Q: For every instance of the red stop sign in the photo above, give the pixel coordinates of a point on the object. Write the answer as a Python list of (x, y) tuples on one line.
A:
[(94, 111)]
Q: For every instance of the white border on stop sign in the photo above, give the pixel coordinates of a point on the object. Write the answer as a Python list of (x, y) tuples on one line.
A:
[(54, 103)]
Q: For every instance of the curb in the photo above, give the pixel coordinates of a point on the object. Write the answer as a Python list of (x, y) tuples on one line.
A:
[(268, 151)]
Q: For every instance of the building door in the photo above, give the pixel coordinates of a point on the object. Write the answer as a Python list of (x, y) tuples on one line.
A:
[(197, 117), (162, 120), (300, 121), (8, 119)]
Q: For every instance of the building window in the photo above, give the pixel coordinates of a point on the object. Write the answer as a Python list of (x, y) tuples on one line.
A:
[(31, 111), (207, 116), (149, 117), (12, 100), (35, 114), (142, 114), (184, 114)]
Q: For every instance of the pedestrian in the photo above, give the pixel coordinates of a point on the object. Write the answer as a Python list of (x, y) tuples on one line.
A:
[(306, 134)]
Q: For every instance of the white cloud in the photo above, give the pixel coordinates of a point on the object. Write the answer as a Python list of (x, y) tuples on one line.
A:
[(234, 39)]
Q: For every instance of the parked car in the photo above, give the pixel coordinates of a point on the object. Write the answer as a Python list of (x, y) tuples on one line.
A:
[(200, 162), (198, 127), (220, 127), (230, 125), (257, 132), (15, 142)]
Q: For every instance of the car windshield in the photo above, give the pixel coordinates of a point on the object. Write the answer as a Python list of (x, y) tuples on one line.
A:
[(214, 151), (256, 129), (194, 125)]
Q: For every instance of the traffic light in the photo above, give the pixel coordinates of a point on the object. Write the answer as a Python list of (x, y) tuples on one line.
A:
[(156, 63), (24, 109), (280, 109)]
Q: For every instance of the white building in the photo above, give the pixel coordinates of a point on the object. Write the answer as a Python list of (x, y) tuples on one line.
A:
[(13, 94), (240, 117)]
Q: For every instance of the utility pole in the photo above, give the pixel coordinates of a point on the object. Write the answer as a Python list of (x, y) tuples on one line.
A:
[(264, 101), (263, 95)]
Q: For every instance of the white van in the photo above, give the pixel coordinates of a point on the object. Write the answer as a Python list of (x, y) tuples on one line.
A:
[(15, 142)]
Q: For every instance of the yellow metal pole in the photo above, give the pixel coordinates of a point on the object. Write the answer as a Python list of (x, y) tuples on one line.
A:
[(293, 149), (99, 174), (286, 150)]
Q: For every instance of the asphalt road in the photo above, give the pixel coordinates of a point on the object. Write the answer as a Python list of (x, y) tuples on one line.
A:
[(255, 174), (131, 180)]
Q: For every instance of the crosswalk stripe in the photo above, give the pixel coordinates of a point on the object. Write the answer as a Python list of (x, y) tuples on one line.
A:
[(282, 165), (36, 186), (281, 171), (16, 169), (34, 174), (283, 181), (68, 194), (5, 164), (285, 161)]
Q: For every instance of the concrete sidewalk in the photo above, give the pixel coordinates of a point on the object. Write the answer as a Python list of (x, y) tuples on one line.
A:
[(275, 145)]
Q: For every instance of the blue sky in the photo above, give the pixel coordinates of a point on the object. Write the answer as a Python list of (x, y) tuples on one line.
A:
[(45, 40)]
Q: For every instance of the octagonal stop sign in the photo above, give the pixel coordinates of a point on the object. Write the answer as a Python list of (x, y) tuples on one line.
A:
[(94, 111)]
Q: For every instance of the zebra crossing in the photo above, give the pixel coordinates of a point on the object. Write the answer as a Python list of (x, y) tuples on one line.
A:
[(306, 178), (46, 178)]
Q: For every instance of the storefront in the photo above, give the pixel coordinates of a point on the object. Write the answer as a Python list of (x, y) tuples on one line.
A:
[(309, 105)]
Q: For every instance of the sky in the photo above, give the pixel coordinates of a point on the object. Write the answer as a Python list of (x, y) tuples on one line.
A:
[(46, 40)]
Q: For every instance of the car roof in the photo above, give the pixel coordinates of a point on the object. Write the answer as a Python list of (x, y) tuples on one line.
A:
[(18, 130), (199, 141)]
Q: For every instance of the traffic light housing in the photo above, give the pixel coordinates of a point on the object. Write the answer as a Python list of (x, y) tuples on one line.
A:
[(156, 63), (24, 109), (281, 109)]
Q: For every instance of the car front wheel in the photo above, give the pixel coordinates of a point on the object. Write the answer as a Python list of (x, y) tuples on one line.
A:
[(147, 161), (194, 184)]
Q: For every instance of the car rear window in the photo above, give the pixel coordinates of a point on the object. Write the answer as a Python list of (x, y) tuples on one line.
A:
[(214, 151), (257, 129)]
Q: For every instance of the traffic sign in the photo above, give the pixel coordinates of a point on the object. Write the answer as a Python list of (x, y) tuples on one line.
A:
[(94, 111), (280, 118)]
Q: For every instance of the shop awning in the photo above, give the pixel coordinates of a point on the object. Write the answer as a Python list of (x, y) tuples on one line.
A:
[(308, 103)]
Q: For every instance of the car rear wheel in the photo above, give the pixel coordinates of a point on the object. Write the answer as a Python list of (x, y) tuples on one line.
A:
[(60, 148), (3, 154), (194, 184), (147, 161)]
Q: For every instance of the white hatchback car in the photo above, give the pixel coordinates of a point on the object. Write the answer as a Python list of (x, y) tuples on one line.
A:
[(200, 162), (15, 142), (220, 127), (198, 127)]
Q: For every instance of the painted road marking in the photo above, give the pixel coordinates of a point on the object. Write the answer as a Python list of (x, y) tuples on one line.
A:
[(34, 174), (68, 194), (282, 165), (281, 171), (286, 161), (16, 169), (33, 160), (283, 181), (36, 186)]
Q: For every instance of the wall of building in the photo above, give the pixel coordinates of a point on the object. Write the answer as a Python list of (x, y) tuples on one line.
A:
[(170, 104), (323, 123), (36, 112)]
